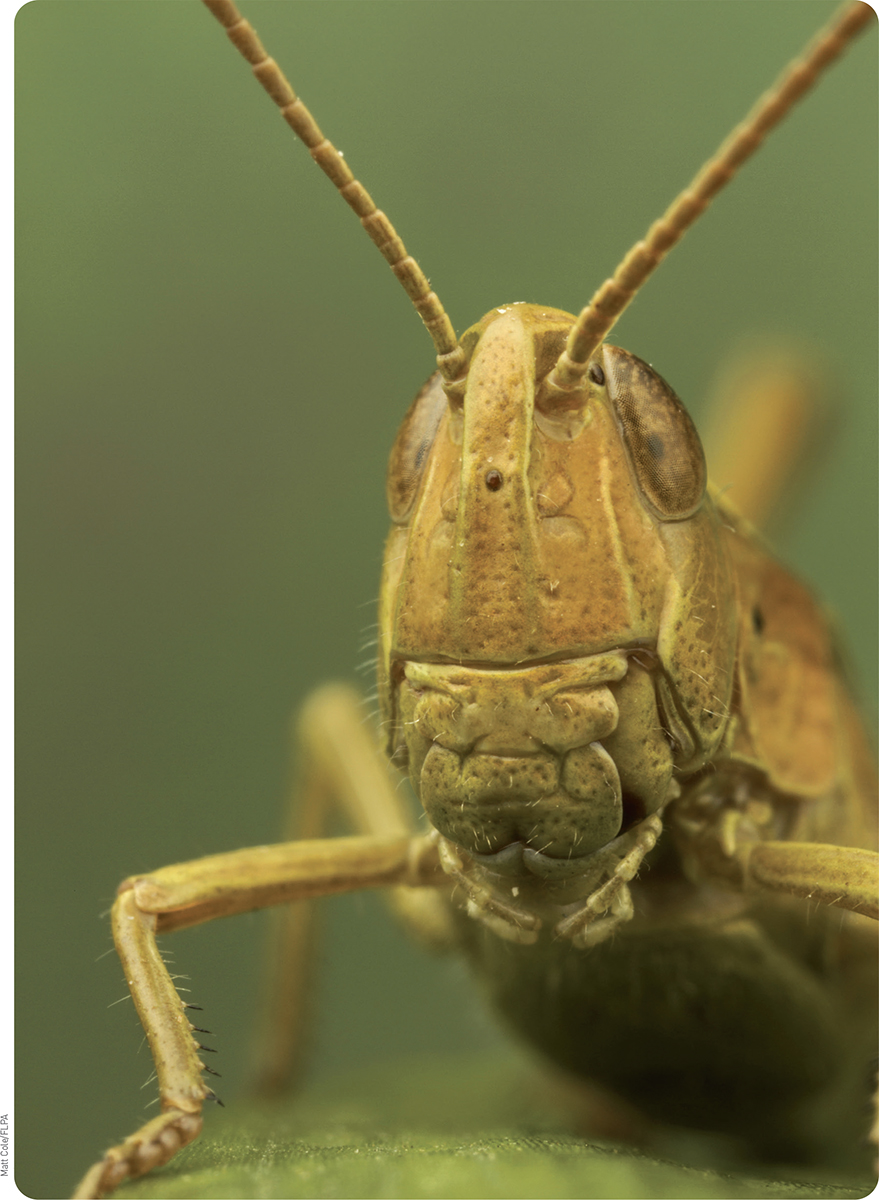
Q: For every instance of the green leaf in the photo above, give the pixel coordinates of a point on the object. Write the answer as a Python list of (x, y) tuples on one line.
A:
[(446, 1128)]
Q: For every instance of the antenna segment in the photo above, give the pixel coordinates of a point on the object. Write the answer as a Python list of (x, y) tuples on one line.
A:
[(241, 33), (602, 311)]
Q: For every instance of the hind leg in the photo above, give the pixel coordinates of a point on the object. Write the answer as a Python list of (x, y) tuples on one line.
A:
[(338, 772)]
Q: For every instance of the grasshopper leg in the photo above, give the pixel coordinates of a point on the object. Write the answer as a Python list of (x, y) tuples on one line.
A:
[(338, 770), (174, 1049), (844, 876), (768, 425), (191, 893)]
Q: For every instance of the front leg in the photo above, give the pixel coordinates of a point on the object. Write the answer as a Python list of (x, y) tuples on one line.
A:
[(191, 893), (339, 772), (740, 839), (175, 1053)]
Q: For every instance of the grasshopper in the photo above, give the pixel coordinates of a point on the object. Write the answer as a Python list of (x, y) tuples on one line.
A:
[(578, 871)]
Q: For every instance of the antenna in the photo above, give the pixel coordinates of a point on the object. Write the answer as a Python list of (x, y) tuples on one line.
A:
[(615, 294), (450, 356)]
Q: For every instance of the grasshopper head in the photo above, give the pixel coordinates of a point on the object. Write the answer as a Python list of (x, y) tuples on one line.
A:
[(556, 633)]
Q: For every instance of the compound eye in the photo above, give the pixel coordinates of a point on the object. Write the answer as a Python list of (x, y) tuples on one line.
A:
[(660, 438), (412, 448)]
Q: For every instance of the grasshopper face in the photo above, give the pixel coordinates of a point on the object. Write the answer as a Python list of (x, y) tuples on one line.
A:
[(557, 616)]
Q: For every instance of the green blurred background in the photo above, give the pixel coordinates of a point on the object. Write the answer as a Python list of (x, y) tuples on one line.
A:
[(212, 360)]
